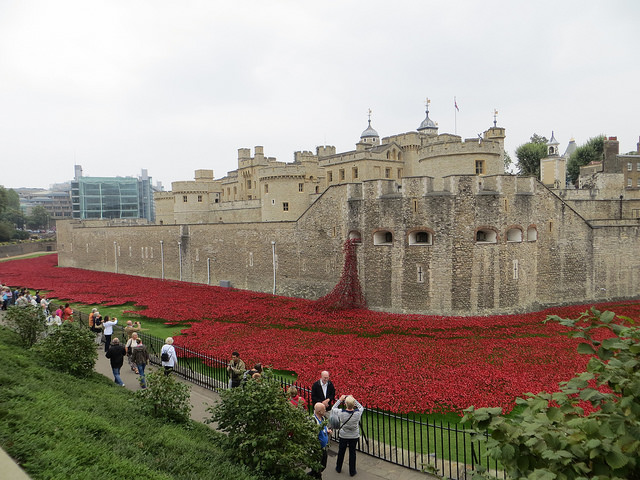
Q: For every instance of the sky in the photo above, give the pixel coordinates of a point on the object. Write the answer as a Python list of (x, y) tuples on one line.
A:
[(120, 85)]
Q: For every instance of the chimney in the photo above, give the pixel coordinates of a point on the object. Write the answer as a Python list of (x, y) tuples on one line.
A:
[(611, 150)]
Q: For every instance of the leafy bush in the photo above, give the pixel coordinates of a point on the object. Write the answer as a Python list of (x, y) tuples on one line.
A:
[(70, 348), (29, 322), (165, 397), (552, 437), (265, 432)]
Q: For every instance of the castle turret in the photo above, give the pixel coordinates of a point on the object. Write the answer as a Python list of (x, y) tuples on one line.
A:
[(370, 136), (552, 146), (428, 126), (553, 168)]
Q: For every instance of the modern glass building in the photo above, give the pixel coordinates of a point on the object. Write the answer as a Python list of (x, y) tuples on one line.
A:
[(112, 197)]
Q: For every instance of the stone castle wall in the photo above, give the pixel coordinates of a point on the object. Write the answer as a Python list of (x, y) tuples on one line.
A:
[(556, 258)]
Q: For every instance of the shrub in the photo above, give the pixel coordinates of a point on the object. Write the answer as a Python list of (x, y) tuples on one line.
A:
[(265, 432), (70, 348), (165, 397), (29, 322), (552, 437)]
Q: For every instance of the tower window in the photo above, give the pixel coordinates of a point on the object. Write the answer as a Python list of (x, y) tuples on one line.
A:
[(387, 173), (200, 198), (383, 237), (479, 167), (285, 206), (184, 198), (301, 187), (420, 238)]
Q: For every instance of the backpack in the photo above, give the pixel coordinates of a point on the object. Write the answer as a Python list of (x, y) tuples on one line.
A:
[(164, 356)]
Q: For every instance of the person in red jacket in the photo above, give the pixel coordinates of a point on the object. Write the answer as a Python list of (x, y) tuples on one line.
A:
[(67, 313)]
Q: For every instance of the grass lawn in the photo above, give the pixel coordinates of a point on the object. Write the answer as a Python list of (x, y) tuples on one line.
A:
[(58, 426)]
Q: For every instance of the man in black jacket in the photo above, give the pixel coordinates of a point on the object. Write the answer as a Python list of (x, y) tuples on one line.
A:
[(116, 355), (323, 391)]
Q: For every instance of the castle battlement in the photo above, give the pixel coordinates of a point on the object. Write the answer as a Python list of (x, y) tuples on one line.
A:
[(466, 147)]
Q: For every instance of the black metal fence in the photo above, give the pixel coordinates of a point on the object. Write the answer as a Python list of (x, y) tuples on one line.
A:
[(409, 440)]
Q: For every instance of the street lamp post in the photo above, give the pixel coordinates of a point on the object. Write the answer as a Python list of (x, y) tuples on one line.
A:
[(273, 253), (162, 257), (180, 258)]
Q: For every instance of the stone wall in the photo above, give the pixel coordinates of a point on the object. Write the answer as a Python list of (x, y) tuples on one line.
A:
[(541, 251)]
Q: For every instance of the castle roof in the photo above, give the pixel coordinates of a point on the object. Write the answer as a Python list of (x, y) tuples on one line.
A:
[(369, 132), (427, 124), (571, 147)]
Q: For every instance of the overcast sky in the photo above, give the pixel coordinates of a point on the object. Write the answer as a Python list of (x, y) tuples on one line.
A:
[(117, 86)]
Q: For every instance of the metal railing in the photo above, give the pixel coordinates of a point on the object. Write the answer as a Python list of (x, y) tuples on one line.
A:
[(410, 440)]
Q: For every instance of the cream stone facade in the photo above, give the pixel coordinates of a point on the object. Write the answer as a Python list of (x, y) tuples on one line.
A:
[(263, 189), (462, 243)]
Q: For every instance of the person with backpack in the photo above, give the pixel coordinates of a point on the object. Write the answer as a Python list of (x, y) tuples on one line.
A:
[(95, 325), (348, 431), (168, 356)]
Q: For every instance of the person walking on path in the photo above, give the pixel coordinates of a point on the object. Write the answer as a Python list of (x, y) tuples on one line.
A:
[(108, 331), (116, 355), (95, 325), (132, 342), (168, 356), (349, 432), (140, 357), (235, 369)]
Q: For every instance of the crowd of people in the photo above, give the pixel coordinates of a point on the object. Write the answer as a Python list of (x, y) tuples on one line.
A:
[(327, 412)]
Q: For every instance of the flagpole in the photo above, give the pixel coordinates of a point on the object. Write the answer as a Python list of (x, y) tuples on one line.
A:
[(455, 116)]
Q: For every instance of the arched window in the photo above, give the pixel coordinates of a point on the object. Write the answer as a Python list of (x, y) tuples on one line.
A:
[(485, 235), (514, 235), (383, 237), (354, 234), (532, 234), (420, 237)]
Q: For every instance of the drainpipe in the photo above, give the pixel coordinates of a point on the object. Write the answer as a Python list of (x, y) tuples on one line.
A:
[(115, 254), (162, 257)]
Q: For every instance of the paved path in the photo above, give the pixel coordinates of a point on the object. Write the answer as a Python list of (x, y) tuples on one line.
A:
[(369, 468)]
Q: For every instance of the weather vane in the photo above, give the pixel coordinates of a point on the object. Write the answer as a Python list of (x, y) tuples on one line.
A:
[(369, 115), (495, 116)]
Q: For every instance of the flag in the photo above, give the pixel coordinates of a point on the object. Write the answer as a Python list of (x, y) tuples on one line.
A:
[(455, 104)]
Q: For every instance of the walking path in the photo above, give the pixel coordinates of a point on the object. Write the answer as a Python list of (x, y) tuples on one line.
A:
[(369, 468)]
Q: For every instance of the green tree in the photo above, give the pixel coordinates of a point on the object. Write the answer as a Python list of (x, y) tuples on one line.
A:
[(552, 437), (265, 432), (39, 218), (9, 199), (29, 322), (14, 217), (70, 348), (529, 155), (165, 397), (6, 231), (507, 161), (592, 151)]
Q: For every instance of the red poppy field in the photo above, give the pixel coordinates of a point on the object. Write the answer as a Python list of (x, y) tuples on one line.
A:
[(406, 363)]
